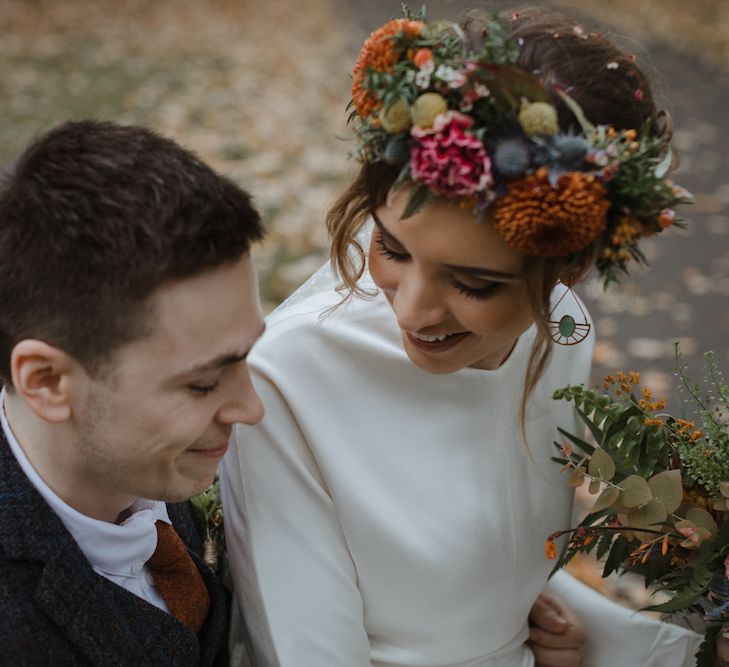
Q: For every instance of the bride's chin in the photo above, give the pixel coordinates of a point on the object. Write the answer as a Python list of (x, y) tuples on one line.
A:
[(430, 365)]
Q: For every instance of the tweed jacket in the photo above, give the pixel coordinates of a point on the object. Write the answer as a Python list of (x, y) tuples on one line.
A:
[(55, 610)]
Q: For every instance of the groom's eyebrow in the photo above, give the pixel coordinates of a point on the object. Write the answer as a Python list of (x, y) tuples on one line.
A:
[(221, 361)]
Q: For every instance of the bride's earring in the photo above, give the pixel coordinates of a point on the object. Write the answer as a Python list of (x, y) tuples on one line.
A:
[(566, 329)]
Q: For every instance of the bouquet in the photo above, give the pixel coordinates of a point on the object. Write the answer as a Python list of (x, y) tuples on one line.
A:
[(661, 487)]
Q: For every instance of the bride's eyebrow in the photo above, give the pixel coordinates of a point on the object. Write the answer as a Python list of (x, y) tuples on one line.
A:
[(384, 230), (481, 272), (476, 271)]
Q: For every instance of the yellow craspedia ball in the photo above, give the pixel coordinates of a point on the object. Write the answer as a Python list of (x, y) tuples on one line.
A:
[(396, 117), (426, 108), (538, 118)]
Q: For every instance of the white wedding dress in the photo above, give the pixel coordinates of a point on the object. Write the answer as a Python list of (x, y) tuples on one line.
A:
[(380, 515)]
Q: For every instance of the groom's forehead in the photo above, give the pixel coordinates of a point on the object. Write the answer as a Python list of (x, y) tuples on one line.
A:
[(202, 322)]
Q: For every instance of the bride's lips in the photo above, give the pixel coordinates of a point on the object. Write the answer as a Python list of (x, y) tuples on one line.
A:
[(436, 346)]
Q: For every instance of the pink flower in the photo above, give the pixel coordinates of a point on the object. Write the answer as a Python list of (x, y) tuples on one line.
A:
[(451, 162), (726, 567)]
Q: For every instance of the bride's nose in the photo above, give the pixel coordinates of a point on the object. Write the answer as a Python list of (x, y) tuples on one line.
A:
[(417, 301)]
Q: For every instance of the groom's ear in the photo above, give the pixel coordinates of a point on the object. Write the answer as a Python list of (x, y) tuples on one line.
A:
[(46, 378)]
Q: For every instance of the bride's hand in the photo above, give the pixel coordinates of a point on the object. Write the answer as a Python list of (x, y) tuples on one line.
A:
[(555, 635), (722, 648)]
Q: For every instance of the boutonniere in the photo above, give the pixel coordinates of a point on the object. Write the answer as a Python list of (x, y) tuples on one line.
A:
[(208, 510)]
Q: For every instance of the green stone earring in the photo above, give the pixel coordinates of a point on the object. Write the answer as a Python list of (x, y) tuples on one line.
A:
[(568, 330)]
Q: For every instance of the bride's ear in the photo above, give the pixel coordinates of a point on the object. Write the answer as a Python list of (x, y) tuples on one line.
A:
[(574, 273)]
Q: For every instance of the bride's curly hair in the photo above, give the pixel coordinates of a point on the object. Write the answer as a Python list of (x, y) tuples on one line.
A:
[(597, 74)]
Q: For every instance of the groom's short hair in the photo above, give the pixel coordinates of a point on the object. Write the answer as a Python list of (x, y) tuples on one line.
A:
[(94, 217)]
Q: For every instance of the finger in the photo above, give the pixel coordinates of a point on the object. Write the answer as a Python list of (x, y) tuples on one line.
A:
[(573, 637), (722, 645), (551, 657), (547, 616)]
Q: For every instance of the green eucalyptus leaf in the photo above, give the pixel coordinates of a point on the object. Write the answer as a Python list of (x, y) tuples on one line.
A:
[(618, 505), (606, 499), (636, 491), (594, 486), (667, 487), (650, 515), (601, 465), (702, 519)]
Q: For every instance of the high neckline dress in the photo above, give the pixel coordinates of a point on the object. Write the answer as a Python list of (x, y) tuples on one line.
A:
[(382, 515)]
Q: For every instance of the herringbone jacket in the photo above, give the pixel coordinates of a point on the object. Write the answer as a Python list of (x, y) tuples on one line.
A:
[(55, 610)]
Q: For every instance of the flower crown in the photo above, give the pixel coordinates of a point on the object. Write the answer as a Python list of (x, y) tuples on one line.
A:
[(475, 128)]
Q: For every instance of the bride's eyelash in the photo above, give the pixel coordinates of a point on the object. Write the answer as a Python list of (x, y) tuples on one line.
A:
[(480, 293), (477, 293), (390, 254)]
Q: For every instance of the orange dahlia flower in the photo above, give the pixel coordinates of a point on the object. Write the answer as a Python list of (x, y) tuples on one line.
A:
[(552, 221), (378, 53)]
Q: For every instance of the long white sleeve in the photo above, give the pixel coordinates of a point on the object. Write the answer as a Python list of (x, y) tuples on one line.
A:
[(380, 515), (618, 637), (295, 580)]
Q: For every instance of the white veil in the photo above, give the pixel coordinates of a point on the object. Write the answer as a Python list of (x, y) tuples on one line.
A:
[(323, 279)]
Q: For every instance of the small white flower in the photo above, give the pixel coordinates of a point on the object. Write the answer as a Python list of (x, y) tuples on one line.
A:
[(428, 66), (410, 75), (612, 65), (446, 73), (482, 90), (422, 79)]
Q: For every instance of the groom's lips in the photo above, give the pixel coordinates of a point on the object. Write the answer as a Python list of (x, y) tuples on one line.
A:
[(210, 452)]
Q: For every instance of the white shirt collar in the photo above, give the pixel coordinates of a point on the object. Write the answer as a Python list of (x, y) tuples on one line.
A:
[(110, 548)]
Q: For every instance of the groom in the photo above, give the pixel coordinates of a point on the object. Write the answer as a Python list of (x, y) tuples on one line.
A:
[(128, 304)]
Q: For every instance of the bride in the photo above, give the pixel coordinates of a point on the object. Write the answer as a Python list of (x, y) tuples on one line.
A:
[(391, 509)]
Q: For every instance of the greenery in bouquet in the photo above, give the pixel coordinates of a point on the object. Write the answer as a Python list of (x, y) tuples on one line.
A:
[(207, 508), (661, 487), (463, 122)]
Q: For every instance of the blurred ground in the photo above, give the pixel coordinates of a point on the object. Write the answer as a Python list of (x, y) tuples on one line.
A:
[(259, 90)]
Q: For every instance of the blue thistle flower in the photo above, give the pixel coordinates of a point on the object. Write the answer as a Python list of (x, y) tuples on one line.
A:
[(512, 158), (397, 149), (570, 150)]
